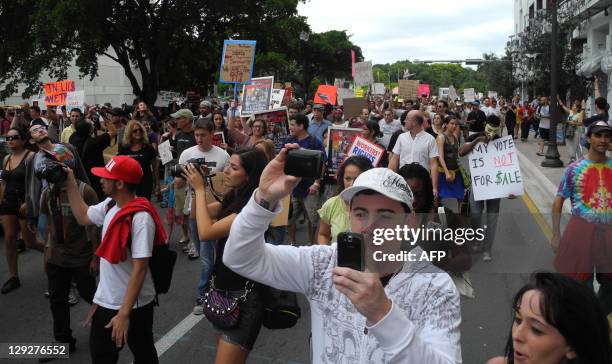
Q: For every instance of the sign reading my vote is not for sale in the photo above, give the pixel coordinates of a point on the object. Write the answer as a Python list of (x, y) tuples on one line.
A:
[(495, 170)]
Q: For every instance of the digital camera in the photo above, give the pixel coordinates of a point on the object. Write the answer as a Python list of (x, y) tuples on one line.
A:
[(52, 172), (177, 170)]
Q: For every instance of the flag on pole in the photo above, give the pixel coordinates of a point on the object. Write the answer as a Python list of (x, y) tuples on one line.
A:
[(353, 63)]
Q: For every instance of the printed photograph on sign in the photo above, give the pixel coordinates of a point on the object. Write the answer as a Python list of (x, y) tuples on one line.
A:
[(218, 139), (495, 169), (237, 61), (339, 140), (257, 95), (277, 121), (365, 148), (277, 98)]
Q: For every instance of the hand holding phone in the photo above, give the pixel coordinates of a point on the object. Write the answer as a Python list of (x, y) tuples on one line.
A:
[(351, 251)]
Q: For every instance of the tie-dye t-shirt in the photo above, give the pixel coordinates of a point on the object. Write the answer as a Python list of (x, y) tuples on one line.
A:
[(588, 185)]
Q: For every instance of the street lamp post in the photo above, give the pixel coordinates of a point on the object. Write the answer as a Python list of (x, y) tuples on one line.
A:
[(552, 153)]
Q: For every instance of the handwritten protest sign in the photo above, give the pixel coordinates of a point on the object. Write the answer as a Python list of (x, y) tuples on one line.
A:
[(363, 73), (452, 93), (166, 97), (344, 93), (277, 121), (408, 89), (326, 94), (339, 140), (165, 152), (495, 170), (257, 95), (55, 92), (353, 106), (365, 148), (492, 94), (75, 100), (423, 89), (469, 95), (378, 89), (277, 98), (237, 61)]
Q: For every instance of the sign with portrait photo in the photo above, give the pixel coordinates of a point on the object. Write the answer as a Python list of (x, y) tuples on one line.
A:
[(257, 96)]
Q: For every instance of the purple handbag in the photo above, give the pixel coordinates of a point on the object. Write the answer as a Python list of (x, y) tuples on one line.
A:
[(222, 310)]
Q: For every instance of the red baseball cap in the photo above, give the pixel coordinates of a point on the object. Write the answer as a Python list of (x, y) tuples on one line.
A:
[(120, 168)]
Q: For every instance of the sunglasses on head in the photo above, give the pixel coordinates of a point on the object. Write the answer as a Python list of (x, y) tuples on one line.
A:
[(12, 137)]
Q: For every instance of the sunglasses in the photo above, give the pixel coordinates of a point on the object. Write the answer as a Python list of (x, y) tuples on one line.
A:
[(12, 137)]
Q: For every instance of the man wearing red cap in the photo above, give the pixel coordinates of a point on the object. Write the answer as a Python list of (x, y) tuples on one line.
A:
[(124, 300)]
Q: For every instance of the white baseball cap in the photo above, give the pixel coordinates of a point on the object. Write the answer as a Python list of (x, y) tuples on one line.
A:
[(384, 181)]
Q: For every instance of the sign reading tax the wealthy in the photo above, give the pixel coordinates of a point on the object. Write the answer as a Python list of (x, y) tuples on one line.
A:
[(495, 170)]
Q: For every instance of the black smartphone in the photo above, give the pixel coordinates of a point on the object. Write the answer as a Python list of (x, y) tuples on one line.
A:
[(351, 251), (304, 163)]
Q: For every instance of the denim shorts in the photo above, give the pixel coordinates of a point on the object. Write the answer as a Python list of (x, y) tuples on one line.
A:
[(251, 320)]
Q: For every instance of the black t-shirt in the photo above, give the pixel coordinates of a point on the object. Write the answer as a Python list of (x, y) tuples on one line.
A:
[(393, 139), (183, 141), (91, 149), (479, 118), (510, 117), (593, 119), (144, 156)]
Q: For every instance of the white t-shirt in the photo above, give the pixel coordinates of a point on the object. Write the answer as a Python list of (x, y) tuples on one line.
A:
[(387, 130), (114, 278), (420, 149), (215, 154), (544, 117)]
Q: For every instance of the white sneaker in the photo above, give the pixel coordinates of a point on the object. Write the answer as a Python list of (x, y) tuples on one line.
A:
[(193, 254), (198, 309), (73, 298)]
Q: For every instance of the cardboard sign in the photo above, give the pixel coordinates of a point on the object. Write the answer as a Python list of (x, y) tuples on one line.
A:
[(344, 93), (423, 89), (165, 152), (353, 106), (339, 140), (365, 148), (363, 73), (469, 95), (166, 97), (277, 98), (257, 96), (326, 94), (277, 121), (56, 92), (408, 89), (378, 89), (495, 170), (237, 61), (218, 139), (75, 100)]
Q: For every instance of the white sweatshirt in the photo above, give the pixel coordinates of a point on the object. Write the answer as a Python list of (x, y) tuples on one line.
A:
[(421, 327)]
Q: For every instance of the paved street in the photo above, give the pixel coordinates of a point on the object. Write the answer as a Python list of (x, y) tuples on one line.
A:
[(520, 248)]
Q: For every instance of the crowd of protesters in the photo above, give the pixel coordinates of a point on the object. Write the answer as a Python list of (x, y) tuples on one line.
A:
[(79, 187)]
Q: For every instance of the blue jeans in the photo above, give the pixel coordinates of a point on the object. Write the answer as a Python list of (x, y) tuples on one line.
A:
[(277, 235), (207, 256)]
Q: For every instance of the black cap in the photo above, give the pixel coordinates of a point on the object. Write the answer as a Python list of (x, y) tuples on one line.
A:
[(117, 111)]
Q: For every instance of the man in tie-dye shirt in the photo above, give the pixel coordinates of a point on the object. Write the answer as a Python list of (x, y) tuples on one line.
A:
[(586, 244)]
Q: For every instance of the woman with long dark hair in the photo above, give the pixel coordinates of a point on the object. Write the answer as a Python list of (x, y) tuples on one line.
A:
[(557, 320), (241, 177), (12, 203), (371, 131), (220, 140)]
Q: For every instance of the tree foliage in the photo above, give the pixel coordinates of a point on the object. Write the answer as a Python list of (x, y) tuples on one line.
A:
[(172, 44)]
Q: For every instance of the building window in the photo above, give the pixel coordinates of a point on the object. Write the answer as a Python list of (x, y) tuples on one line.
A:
[(539, 5), (531, 12)]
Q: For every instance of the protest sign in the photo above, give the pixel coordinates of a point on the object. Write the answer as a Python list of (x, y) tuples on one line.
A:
[(344, 93), (378, 89), (469, 95), (256, 96), (492, 94), (41, 103), (165, 152), (423, 89), (166, 97), (339, 140), (75, 100), (495, 170), (277, 98), (55, 92), (363, 73), (365, 148), (277, 121), (359, 92), (326, 94), (395, 90), (408, 89), (339, 82), (218, 138), (353, 106), (452, 93), (237, 61)]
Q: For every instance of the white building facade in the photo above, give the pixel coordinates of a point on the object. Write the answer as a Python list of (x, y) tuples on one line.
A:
[(111, 85)]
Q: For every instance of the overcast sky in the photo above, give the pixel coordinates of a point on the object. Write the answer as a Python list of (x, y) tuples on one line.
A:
[(393, 30)]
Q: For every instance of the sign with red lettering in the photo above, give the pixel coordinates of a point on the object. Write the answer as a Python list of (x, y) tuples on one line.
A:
[(55, 92), (365, 148), (495, 169)]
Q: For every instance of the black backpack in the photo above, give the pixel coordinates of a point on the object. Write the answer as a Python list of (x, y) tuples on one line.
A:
[(161, 264)]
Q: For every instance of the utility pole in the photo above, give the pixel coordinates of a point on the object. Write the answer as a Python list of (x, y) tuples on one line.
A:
[(552, 153)]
